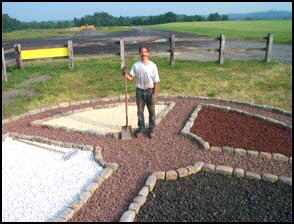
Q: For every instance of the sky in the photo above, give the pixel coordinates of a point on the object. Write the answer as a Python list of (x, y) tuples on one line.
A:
[(45, 11)]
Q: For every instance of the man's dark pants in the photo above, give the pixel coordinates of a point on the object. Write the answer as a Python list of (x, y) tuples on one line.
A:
[(145, 97)]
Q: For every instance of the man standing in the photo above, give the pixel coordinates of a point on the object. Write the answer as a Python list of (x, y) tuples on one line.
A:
[(147, 82)]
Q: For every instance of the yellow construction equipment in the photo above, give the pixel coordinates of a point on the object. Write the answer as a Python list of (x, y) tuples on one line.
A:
[(87, 27)]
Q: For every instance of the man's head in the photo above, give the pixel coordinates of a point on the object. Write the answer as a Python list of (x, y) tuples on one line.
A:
[(144, 53)]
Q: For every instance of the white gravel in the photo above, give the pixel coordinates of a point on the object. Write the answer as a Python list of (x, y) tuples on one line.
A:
[(37, 184), (105, 119)]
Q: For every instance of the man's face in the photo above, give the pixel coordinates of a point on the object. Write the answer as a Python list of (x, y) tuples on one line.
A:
[(144, 53)]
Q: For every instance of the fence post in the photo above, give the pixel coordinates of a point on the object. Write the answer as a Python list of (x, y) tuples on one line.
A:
[(70, 54), (17, 50), (4, 65), (269, 47), (122, 53), (172, 49), (221, 49)]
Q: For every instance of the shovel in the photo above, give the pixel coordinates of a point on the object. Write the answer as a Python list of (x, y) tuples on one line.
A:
[(65, 156), (126, 132)]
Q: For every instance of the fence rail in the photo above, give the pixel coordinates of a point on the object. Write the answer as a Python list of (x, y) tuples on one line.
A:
[(172, 50)]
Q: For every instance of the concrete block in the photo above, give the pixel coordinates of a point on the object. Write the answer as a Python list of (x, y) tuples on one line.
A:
[(144, 191), (280, 157), (77, 205), (252, 175), (160, 175), (192, 169), (215, 149), (85, 195), (252, 153), (240, 152), (265, 155), (285, 180), (227, 149), (128, 216), (140, 199), (182, 172), (113, 166), (92, 187), (199, 165), (207, 167), (106, 173), (171, 175), (67, 214), (225, 170), (238, 172), (269, 177), (151, 181), (135, 207)]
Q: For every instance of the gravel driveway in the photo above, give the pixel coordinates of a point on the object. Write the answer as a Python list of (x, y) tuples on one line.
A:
[(282, 53)]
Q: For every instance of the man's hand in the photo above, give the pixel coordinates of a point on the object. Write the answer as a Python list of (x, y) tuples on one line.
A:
[(124, 71)]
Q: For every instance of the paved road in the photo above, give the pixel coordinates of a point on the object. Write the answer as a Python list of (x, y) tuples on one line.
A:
[(282, 53)]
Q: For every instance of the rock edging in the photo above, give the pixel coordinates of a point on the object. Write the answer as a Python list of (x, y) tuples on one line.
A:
[(161, 96), (91, 132)]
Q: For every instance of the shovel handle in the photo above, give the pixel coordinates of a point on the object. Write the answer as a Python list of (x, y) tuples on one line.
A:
[(126, 99)]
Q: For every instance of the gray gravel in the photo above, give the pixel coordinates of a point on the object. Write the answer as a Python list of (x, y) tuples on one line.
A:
[(211, 197), (37, 184)]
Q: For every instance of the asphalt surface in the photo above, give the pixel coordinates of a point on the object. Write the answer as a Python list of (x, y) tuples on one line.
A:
[(282, 53)]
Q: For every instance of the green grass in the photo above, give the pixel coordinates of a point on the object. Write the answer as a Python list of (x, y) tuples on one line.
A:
[(95, 77), (38, 34), (282, 29), (53, 33)]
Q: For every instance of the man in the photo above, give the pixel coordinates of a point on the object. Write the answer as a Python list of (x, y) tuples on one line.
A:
[(147, 82)]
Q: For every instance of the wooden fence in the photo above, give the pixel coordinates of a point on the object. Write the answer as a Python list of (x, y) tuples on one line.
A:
[(66, 50)]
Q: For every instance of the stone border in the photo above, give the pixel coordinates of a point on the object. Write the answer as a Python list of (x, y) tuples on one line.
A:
[(226, 149), (108, 169), (164, 96), (130, 214), (96, 133), (259, 106)]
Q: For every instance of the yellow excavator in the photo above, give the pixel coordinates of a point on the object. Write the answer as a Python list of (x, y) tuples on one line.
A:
[(87, 27)]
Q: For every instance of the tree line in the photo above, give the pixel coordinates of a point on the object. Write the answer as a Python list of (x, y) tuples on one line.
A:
[(99, 19)]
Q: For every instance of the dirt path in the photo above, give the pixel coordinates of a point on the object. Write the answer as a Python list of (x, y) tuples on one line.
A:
[(282, 53)]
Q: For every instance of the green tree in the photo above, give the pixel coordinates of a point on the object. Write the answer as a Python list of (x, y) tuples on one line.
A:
[(214, 17)]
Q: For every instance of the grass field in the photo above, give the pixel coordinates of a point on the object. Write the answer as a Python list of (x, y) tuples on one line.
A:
[(94, 77), (282, 29)]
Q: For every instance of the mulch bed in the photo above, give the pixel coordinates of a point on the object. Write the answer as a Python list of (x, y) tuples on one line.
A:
[(139, 157), (223, 128), (211, 197)]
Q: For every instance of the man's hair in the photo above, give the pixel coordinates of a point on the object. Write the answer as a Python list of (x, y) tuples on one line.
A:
[(143, 47)]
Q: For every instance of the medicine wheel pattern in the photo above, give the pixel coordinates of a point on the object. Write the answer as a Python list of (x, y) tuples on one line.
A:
[(138, 158)]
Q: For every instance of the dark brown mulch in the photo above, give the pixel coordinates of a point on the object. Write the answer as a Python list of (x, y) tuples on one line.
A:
[(224, 128)]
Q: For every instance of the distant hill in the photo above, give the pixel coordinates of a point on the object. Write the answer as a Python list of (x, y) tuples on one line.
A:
[(271, 14)]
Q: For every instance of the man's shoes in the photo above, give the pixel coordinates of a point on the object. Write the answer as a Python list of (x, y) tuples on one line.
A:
[(152, 133), (138, 131)]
